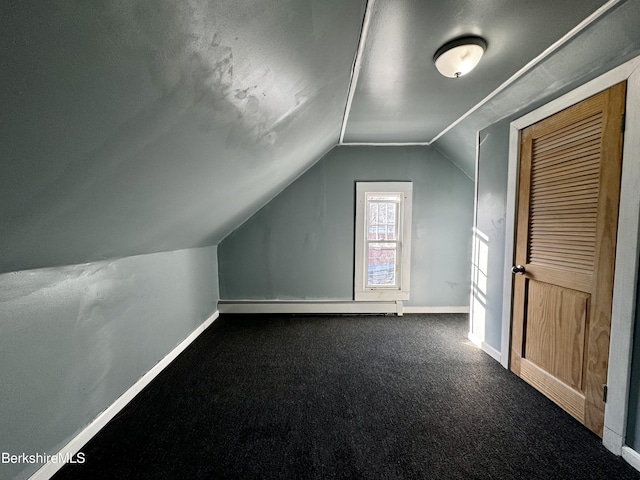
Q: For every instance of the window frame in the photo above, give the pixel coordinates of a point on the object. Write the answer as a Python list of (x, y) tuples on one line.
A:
[(403, 252)]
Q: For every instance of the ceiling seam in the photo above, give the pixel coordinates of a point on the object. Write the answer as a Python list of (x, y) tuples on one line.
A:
[(555, 46), (355, 69)]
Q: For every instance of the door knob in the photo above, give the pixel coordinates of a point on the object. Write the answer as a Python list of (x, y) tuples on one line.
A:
[(518, 269)]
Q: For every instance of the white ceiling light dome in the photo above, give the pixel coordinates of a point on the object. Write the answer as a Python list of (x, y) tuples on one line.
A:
[(459, 56)]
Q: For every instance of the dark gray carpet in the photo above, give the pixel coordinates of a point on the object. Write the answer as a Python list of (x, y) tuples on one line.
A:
[(328, 397)]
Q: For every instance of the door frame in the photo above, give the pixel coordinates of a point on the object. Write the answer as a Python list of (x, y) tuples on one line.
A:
[(627, 248)]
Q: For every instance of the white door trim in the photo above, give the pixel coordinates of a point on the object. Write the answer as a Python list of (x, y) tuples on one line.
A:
[(627, 250)]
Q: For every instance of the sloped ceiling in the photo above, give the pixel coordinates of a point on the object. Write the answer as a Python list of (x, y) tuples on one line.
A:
[(132, 127)]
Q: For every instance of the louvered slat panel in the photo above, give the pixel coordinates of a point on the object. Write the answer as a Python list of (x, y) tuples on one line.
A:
[(563, 158), (565, 171), (560, 248), (585, 158), (574, 126), (577, 167), (571, 133), (576, 184), (577, 257), (572, 195), (585, 231), (586, 136), (567, 224), (569, 207), (583, 204), (566, 228), (557, 238), (546, 218), (554, 215), (566, 266), (589, 166), (569, 142), (584, 264), (568, 153)]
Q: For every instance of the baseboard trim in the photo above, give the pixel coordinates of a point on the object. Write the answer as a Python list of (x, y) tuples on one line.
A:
[(485, 347), (612, 441), (631, 457), (75, 445), (329, 307)]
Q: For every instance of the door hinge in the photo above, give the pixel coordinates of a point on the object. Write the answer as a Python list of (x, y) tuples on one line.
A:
[(604, 393)]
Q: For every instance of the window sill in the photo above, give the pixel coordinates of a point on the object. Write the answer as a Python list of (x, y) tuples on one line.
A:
[(370, 295)]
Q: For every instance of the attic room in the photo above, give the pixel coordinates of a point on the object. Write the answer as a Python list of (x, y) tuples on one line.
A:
[(174, 172)]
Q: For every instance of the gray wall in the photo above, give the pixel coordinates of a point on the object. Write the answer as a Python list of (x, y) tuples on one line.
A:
[(633, 419), (73, 339), (490, 225), (301, 245)]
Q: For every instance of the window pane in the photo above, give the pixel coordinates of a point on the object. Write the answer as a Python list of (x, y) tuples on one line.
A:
[(391, 222), (391, 217), (394, 197), (382, 215), (381, 232), (391, 232), (381, 268), (382, 220), (373, 221)]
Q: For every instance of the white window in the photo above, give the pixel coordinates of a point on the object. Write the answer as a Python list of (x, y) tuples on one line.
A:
[(383, 240)]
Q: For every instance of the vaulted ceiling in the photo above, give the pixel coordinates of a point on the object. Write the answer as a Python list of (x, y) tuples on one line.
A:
[(132, 127)]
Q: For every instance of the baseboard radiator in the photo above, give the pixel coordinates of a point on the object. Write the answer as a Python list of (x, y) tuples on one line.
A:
[(345, 307)]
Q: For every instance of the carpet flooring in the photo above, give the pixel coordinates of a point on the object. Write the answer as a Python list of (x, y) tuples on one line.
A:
[(342, 397)]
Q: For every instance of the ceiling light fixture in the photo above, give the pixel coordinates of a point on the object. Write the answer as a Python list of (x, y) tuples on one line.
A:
[(459, 56)]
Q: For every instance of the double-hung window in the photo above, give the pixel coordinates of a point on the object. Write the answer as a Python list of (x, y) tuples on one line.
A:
[(383, 240)]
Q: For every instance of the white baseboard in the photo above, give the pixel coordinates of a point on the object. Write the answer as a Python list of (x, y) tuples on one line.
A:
[(73, 447), (631, 456), (329, 307), (485, 347), (612, 440)]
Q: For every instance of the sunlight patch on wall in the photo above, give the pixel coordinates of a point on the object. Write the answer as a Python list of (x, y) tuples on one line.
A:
[(479, 268)]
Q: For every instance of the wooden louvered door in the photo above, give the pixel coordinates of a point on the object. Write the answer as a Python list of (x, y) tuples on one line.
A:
[(568, 194)]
